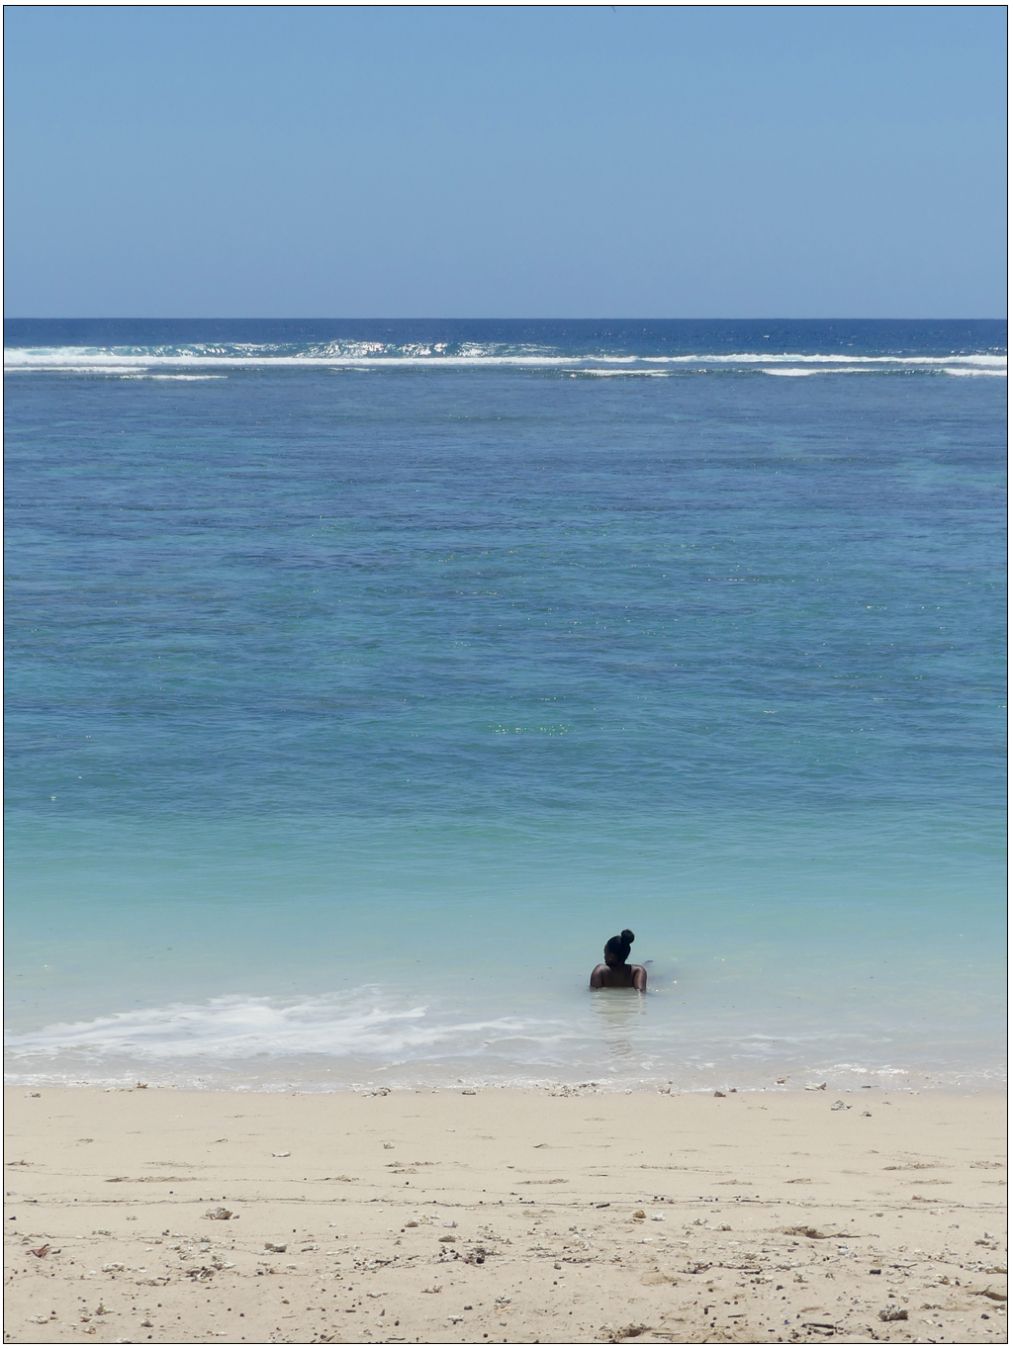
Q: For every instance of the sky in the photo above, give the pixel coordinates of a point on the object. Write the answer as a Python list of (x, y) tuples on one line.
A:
[(560, 162)]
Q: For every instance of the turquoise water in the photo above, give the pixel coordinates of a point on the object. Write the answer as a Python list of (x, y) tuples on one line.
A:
[(364, 677)]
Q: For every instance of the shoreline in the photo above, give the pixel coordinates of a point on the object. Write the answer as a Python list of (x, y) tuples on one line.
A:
[(712, 1029), (901, 1082), (471, 1215)]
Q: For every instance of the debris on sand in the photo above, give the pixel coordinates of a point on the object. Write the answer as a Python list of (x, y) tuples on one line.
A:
[(627, 1333), (220, 1213), (891, 1313)]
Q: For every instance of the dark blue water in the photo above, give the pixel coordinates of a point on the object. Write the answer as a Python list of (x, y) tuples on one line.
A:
[(363, 677)]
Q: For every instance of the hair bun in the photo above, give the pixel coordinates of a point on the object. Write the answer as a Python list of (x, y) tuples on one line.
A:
[(626, 935)]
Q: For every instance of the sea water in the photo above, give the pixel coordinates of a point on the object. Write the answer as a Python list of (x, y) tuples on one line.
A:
[(364, 677)]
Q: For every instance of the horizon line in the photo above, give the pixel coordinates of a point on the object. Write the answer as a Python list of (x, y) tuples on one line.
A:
[(523, 318)]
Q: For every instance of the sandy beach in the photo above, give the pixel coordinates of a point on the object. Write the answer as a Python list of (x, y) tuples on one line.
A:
[(504, 1216)]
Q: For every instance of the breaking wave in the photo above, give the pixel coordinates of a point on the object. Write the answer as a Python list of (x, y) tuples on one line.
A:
[(368, 1037), (201, 360), (970, 370), (365, 1025), (819, 370)]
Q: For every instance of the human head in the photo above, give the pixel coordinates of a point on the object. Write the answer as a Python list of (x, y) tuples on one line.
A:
[(617, 949)]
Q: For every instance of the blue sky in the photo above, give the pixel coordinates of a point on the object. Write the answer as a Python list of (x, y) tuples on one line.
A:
[(648, 162)]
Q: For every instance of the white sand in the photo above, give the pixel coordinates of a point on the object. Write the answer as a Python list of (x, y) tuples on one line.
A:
[(504, 1216)]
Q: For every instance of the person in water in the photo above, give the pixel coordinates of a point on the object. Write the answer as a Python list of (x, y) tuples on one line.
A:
[(615, 973)]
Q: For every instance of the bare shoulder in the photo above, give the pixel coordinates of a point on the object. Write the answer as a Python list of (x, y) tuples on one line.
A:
[(597, 975)]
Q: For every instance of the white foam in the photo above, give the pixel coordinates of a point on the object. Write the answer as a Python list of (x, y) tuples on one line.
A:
[(375, 355), (965, 370), (818, 370), (372, 1035), (363, 1024), (337, 356), (128, 372), (123, 370), (834, 358), (656, 374)]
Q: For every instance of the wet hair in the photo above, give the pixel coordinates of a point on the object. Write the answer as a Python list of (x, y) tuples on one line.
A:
[(620, 946)]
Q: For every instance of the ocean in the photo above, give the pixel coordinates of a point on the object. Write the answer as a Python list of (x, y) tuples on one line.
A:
[(364, 677)]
